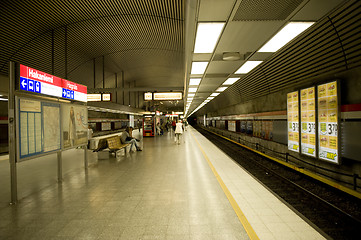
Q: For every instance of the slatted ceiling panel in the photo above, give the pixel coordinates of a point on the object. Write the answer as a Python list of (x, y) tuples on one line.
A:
[(146, 31), (317, 53), (263, 10)]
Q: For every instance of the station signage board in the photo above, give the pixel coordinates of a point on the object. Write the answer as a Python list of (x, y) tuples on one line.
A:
[(94, 97), (328, 115), (308, 122), (106, 97), (148, 96), (293, 121), (167, 96), (36, 81)]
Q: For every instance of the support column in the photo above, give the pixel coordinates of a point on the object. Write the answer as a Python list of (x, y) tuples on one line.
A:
[(85, 157), (12, 135), (60, 167)]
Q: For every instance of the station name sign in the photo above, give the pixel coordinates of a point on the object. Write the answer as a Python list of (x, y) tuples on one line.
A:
[(33, 80)]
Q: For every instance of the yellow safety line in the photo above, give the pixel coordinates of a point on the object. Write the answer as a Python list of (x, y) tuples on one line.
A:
[(301, 170), (247, 226)]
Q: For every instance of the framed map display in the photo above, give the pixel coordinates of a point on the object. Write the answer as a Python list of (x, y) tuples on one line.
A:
[(38, 127)]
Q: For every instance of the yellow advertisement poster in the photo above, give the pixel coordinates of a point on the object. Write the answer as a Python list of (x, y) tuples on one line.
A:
[(292, 121), (308, 123), (328, 122)]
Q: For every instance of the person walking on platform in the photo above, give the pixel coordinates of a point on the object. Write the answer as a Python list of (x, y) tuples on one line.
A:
[(128, 138), (174, 125), (178, 131)]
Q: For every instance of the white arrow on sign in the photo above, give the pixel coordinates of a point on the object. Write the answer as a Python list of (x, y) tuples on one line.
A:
[(64, 92), (23, 83)]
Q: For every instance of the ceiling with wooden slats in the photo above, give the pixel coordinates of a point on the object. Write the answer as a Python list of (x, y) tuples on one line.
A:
[(149, 44)]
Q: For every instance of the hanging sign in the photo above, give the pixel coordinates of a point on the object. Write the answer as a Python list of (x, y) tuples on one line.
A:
[(36, 81), (328, 122), (293, 121), (308, 122)]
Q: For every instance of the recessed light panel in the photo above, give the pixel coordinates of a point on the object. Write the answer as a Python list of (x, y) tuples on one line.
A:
[(221, 89), (230, 81), (207, 37), (247, 67), (199, 67), (285, 35), (194, 81)]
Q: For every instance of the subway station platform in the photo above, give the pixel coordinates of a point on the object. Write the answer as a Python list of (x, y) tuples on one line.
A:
[(167, 191)]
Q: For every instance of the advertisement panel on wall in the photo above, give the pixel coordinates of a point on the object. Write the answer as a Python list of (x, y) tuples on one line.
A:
[(308, 122), (38, 127), (74, 125), (293, 121), (328, 122), (232, 126)]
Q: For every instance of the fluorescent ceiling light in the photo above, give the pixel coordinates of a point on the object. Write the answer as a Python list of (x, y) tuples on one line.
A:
[(230, 81), (3, 99), (248, 66), (285, 35), (194, 81), (199, 67), (192, 90), (221, 89), (210, 98), (191, 94), (214, 94), (207, 37)]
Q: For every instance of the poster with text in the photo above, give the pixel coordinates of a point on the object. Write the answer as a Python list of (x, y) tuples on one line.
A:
[(232, 126), (328, 122), (293, 121), (308, 122), (74, 125)]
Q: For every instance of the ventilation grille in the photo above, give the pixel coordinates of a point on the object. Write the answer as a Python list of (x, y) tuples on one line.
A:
[(331, 46), (265, 10)]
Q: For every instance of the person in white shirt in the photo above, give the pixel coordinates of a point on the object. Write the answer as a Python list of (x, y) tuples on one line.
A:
[(178, 131)]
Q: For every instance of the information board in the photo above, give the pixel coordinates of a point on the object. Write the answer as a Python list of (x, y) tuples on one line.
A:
[(51, 126), (328, 122), (293, 121), (308, 122), (38, 128), (74, 125)]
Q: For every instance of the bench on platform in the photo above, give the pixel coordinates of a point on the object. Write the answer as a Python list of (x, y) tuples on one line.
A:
[(114, 145)]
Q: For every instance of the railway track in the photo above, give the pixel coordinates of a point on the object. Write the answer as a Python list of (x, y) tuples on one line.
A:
[(335, 214)]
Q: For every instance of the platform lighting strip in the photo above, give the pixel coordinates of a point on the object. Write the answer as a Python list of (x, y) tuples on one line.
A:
[(230, 81), (194, 81), (207, 36), (285, 35), (198, 67), (248, 66), (221, 89)]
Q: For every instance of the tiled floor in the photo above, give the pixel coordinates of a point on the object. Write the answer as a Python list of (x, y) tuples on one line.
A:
[(269, 217), (167, 191)]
